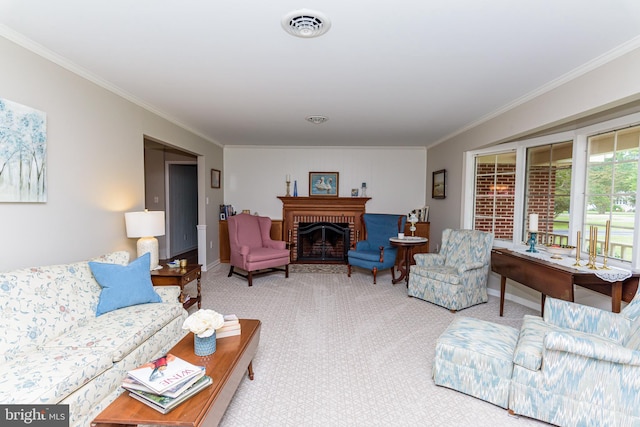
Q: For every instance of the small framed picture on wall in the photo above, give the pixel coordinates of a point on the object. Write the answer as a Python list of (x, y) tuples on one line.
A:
[(439, 184), (215, 178)]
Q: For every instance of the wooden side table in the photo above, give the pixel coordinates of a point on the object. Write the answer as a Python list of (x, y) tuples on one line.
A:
[(180, 277), (408, 243)]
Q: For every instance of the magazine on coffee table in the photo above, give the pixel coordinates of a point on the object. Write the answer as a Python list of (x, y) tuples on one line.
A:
[(165, 404), (130, 383), (164, 373)]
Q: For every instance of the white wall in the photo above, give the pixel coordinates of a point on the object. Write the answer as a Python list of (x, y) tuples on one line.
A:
[(95, 165), (255, 176)]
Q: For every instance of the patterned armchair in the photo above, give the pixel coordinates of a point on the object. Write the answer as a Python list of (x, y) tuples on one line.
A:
[(578, 366), (455, 278), (375, 252)]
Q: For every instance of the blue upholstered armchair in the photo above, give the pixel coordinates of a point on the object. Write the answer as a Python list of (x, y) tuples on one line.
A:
[(375, 252), (455, 278), (578, 366)]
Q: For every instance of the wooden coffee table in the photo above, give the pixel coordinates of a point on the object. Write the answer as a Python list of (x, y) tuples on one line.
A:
[(226, 366)]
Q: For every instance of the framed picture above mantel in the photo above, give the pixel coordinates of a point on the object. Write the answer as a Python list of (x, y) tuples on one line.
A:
[(323, 184)]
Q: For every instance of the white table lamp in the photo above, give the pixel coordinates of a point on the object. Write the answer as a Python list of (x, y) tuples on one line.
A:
[(146, 225)]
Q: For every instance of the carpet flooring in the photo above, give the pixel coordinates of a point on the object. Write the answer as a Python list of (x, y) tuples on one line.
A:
[(339, 351)]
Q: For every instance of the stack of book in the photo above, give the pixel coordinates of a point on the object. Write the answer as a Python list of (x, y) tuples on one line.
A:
[(166, 382), (230, 327)]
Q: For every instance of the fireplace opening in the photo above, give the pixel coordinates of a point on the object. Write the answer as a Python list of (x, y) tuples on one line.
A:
[(323, 241)]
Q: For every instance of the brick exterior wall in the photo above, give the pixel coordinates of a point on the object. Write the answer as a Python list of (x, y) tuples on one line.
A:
[(495, 199)]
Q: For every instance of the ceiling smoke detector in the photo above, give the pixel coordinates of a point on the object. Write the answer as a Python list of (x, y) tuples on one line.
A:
[(305, 23), (316, 120)]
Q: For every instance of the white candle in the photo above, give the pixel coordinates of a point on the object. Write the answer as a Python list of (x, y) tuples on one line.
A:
[(533, 223), (288, 178)]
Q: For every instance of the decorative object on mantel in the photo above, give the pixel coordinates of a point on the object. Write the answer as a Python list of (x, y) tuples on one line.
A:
[(438, 185), (533, 231), (288, 181), (203, 323), (295, 188), (354, 192), (23, 130), (364, 189), (323, 184)]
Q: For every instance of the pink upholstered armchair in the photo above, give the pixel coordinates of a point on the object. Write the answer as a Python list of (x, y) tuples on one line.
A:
[(252, 249)]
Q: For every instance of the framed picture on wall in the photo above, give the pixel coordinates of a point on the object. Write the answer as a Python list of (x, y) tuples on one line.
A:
[(323, 184), (215, 178), (439, 184)]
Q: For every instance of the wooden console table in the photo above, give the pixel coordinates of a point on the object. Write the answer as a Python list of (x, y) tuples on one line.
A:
[(556, 280)]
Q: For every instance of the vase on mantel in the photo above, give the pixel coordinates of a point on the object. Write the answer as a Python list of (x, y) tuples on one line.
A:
[(295, 188), (204, 346)]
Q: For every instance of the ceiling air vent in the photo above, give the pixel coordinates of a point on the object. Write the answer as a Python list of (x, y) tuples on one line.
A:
[(305, 23), (316, 120)]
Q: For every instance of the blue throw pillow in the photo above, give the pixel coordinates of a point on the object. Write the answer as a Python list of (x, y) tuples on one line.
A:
[(124, 285)]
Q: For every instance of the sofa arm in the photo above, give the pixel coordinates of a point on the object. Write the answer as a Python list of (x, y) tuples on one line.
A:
[(429, 260), (169, 294), (469, 266), (591, 320)]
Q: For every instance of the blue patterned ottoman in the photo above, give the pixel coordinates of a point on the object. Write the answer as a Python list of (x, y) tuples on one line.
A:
[(476, 357)]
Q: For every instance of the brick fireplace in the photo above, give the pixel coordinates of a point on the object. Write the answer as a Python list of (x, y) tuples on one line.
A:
[(328, 226)]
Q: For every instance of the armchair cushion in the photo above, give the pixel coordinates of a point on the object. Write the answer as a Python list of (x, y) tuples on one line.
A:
[(528, 352)]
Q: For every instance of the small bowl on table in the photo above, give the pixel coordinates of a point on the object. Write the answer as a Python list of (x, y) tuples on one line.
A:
[(559, 251)]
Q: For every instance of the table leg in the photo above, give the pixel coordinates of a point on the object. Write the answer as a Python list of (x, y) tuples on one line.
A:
[(402, 269), (250, 370), (616, 297), (407, 261), (503, 286), (199, 292), (542, 300)]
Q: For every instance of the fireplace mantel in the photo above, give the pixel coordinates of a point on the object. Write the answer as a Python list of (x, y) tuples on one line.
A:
[(330, 209)]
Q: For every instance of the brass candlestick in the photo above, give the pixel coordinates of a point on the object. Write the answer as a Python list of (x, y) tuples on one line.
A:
[(593, 243), (577, 264), (605, 254)]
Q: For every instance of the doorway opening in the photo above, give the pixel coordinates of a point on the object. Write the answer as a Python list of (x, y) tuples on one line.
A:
[(170, 179)]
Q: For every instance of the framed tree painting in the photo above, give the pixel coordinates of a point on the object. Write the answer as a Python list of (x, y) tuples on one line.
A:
[(439, 185), (23, 153), (323, 184)]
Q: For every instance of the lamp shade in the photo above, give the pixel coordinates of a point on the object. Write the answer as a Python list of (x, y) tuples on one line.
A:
[(144, 224)]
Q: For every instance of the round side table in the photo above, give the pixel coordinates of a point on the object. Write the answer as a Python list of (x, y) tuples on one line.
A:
[(408, 243)]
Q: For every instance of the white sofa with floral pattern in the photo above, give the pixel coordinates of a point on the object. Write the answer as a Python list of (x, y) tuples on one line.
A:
[(55, 350)]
